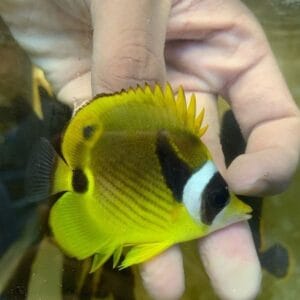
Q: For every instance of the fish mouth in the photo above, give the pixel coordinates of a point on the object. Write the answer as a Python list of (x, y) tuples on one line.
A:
[(241, 218), (247, 216), (236, 219)]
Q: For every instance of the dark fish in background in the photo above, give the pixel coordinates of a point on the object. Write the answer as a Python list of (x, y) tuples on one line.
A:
[(75, 280), (275, 259), (23, 121), (7, 216), (16, 208), (15, 150)]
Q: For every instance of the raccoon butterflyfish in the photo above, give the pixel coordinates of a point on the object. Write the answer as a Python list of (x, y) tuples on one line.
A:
[(133, 173)]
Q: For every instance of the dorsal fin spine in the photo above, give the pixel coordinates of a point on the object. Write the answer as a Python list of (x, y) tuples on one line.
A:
[(158, 95), (181, 105), (191, 112), (199, 119), (169, 98), (187, 114), (202, 130)]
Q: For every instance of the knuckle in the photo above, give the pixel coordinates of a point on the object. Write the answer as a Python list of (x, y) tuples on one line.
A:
[(130, 65)]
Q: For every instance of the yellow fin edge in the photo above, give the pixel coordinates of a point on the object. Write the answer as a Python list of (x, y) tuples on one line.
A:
[(186, 113), (143, 252)]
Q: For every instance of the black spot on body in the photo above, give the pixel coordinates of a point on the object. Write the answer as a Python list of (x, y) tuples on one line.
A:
[(88, 131), (215, 197), (79, 181), (175, 171)]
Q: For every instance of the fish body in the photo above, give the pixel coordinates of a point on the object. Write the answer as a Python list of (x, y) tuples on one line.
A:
[(135, 173)]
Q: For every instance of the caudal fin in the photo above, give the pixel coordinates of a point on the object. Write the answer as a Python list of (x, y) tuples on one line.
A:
[(275, 260)]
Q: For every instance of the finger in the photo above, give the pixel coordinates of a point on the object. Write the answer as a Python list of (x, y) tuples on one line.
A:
[(76, 91), (55, 34), (230, 259), (221, 48), (128, 43), (163, 276), (270, 121)]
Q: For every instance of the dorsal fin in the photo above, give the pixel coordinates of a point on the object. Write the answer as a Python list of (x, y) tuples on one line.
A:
[(164, 98), (140, 109)]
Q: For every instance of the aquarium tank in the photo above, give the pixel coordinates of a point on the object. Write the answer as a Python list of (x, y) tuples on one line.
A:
[(33, 267)]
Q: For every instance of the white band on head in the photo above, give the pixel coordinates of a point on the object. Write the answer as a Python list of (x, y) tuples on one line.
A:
[(194, 188)]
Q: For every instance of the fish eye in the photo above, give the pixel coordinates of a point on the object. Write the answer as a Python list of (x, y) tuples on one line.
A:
[(79, 181), (215, 197)]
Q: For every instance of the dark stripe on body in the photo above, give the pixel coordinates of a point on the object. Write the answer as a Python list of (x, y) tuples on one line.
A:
[(131, 197), (132, 173), (175, 171), (114, 209)]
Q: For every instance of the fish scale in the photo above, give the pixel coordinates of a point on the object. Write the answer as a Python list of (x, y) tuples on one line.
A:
[(132, 170), (142, 197), (132, 206)]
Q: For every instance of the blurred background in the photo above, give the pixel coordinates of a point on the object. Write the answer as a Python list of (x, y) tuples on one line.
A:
[(23, 121)]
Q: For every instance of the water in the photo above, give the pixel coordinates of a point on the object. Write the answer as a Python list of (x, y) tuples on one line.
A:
[(20, 128)]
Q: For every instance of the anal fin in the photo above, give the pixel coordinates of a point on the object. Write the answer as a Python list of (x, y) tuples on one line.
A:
[(141, 253), (117, 256), (98, 260)]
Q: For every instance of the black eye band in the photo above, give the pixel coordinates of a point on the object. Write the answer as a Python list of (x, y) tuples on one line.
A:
[(215, 197)]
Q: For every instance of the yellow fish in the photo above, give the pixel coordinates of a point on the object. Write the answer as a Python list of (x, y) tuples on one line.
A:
[(134, 173)]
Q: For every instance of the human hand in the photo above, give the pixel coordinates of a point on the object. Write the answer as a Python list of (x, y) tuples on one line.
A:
[(211, 48)]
